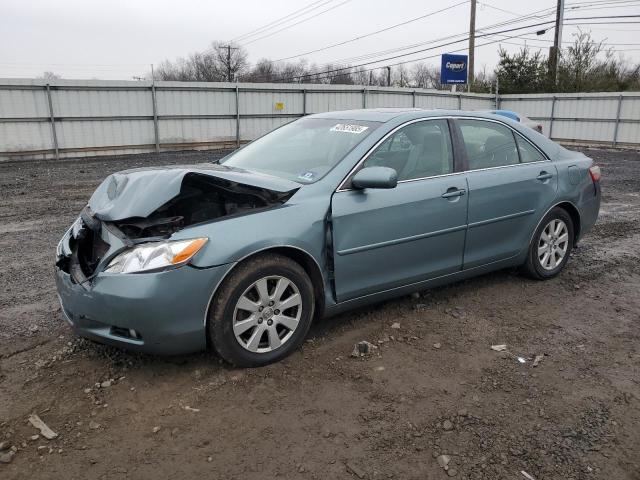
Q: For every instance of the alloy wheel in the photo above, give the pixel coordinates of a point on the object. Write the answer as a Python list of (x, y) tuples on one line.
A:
[(553, 244), (267, 314)]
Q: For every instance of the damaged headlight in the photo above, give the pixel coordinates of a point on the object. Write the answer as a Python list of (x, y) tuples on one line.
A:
[(155, 255)]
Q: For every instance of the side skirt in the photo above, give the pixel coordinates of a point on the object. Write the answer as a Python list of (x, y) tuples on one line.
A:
[(423, 285)]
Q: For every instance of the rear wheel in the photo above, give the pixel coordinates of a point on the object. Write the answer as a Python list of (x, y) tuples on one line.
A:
[(262, 311), (551, 245)]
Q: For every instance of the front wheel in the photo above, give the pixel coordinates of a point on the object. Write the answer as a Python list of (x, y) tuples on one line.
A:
[(551, 245), (262, 311)]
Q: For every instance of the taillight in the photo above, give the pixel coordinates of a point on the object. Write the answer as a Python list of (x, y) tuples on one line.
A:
[(594, 171)]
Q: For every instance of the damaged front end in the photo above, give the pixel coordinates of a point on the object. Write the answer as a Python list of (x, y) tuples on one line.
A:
[(202, 198), (82, 248), (140, 209)]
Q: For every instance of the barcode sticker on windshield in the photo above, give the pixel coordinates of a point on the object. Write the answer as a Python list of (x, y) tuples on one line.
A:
[(348, 128)]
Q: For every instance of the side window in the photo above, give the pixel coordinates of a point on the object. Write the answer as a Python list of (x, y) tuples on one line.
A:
[(488, 144), (421, 149), (528, 153)]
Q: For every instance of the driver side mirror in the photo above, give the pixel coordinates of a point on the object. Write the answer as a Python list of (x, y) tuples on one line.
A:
[(375, 177)]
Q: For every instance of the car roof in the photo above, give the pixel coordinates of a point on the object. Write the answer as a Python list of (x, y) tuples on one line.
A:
[(368, 114), (387, 114), (401, 115)]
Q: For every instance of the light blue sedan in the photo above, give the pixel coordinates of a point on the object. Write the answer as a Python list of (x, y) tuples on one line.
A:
[(328, 213)]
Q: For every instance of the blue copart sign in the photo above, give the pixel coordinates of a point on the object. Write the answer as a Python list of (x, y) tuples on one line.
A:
[(453, 69)]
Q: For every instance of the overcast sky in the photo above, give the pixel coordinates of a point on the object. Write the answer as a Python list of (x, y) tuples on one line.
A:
[(119, 39)]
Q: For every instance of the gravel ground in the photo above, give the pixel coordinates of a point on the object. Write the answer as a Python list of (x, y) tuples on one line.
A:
[(432, 395)]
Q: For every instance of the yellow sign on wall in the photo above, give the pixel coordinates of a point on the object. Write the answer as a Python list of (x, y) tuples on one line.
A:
[(279, 105)]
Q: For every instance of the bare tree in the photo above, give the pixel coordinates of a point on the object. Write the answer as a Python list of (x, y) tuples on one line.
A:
[(214, 65), (50, 76), (293, 72), (361, 76), (400, 76), (264, 71), (582, 68), (231, 58), (420, 75)]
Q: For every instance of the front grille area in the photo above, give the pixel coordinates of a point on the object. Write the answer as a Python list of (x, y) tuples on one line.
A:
[(86, 249), (89, 249)]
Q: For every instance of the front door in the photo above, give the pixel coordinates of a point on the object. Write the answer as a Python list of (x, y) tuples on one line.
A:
[(511, 185), (384, 239)]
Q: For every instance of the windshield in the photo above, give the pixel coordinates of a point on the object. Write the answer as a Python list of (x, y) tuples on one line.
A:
[(304, 150)]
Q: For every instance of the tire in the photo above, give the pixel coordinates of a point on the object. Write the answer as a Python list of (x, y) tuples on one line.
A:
[(556, 245), (246, 327)]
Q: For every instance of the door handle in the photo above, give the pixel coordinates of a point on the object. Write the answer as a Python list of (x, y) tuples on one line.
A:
[(454, 192), (544, 176)]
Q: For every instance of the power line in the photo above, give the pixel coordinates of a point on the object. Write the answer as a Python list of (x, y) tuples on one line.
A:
[(631, 22), (283, 19), (477, 35), (311, 74), (484, 4), (296, 23), (536, 14), (531, 15), (414, 52), (360, 37), (406, 47), (322, 76)]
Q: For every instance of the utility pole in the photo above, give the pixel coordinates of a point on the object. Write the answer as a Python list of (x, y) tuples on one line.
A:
[(472, 44), (388, 76), (229, 48), (554, 52)]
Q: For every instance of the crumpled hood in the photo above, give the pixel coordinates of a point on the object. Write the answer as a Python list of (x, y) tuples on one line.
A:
[(140, 191)]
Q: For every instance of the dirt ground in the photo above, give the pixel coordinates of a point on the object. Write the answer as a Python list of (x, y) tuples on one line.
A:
[(433, 387)]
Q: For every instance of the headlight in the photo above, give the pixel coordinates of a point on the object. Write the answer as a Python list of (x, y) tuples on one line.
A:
[(155, 255)]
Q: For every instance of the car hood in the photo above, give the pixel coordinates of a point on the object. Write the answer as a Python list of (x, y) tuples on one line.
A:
[(139, 192)]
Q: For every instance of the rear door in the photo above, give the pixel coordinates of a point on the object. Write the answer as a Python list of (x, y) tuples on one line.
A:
[(389, 238), (511, 184)]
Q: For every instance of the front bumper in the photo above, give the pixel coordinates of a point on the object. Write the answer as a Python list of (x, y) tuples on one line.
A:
[(166, 309)]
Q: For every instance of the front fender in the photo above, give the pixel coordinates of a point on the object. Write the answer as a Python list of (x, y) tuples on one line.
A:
[(297, 225)]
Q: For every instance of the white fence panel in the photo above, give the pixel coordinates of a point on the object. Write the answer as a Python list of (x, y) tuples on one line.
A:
[(271, 103), (319, 102), (476, 103), (71, 118), (79, 134), (23, 103), (629, 133), (447, 102), (25, 136), (382, 99), (194, 102), (100, 103), (600, 108), (570, 130), (199, 130), (531, 107), (252, 128)]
